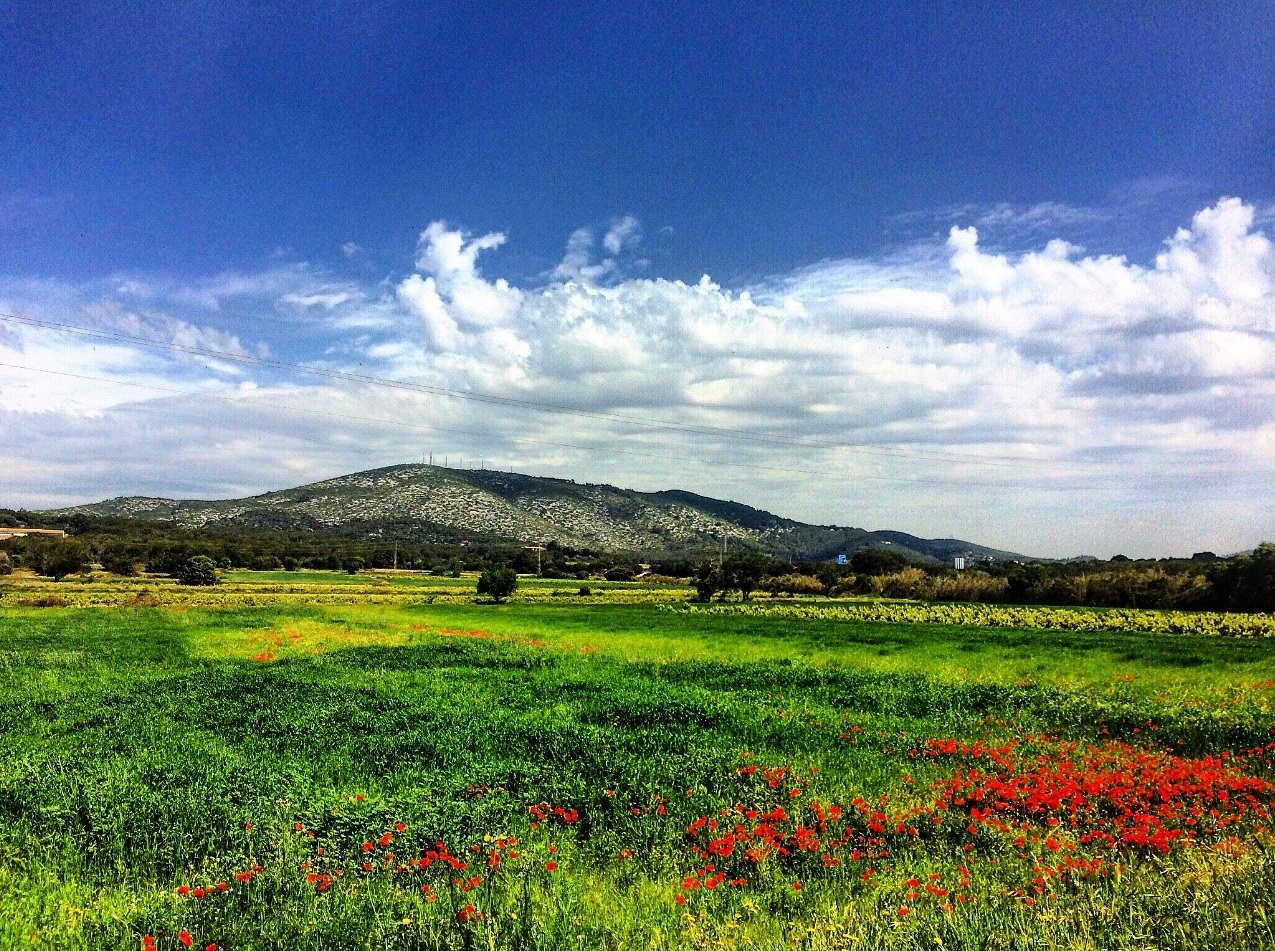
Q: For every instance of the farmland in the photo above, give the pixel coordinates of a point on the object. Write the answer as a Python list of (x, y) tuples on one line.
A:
[(320, 760)]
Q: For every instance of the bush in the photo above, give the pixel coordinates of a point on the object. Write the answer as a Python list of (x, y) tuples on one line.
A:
[(63, 558), (498, 583), (6, 566), (200, 570), (794, 584), (354, 565)]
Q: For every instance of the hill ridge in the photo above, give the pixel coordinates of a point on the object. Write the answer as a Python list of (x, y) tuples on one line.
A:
[(436, 503)]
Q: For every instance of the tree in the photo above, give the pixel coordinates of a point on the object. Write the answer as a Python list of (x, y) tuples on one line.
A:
[(877, 561), (744, 572), (498, 583), (125, 561), (1247, 582), (6, 566), (200, 570), (63, 558), (354, 564), (707, 580)]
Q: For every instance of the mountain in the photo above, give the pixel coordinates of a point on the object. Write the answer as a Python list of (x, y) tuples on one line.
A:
[(433, 503)]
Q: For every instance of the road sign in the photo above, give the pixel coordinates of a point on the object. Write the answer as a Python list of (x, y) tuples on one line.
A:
[(841, 559)]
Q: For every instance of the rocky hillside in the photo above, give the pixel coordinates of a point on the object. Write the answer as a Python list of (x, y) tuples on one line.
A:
[(432, 503)]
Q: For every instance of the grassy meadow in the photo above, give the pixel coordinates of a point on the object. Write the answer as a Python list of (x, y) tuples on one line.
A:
[(296, 760)]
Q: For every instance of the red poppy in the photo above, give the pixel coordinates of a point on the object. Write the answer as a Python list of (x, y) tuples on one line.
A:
[(185, 938)]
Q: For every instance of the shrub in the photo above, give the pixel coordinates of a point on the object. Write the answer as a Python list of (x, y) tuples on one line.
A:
[(794, 584), (63, 558), (498, 583), (200, 570)]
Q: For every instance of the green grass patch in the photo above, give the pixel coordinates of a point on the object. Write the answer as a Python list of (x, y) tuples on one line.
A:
[(310, 755)]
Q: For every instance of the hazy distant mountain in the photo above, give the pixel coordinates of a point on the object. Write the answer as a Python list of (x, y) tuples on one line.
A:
[(432, 503)]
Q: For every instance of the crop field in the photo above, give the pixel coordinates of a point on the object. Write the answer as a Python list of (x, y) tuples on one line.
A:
[(378, 761)]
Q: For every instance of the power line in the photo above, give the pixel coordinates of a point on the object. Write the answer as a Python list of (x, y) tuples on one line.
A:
[(528, 404)]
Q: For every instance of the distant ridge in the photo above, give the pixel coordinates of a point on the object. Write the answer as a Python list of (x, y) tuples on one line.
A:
[(433, 503)]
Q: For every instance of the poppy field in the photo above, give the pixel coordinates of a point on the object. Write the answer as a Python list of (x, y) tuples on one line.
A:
[(615, 771)]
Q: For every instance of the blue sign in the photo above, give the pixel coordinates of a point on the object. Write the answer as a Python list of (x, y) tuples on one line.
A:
[(841, 559)]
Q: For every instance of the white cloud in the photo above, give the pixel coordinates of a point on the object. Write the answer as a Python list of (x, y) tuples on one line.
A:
[(623, 236), (1045, 401), (326, 301)]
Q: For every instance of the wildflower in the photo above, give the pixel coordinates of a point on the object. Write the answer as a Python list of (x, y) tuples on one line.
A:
[(400, 826), (148, 943), (183, 890), (903, 912), (185, 938), (796, 886), (551, 866)]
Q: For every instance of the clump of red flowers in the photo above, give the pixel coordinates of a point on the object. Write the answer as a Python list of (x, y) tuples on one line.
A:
[(1111, 795)]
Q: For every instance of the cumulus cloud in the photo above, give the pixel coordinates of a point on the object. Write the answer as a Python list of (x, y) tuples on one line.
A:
[(1045, 400)]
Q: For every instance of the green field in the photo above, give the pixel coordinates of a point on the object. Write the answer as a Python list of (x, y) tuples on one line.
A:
[(274, 763)]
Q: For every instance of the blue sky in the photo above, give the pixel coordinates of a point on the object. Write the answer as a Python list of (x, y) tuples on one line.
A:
[(305, 181)]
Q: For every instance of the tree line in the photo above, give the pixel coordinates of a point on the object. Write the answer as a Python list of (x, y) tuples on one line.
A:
[(126, 546), (1243, 582)]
